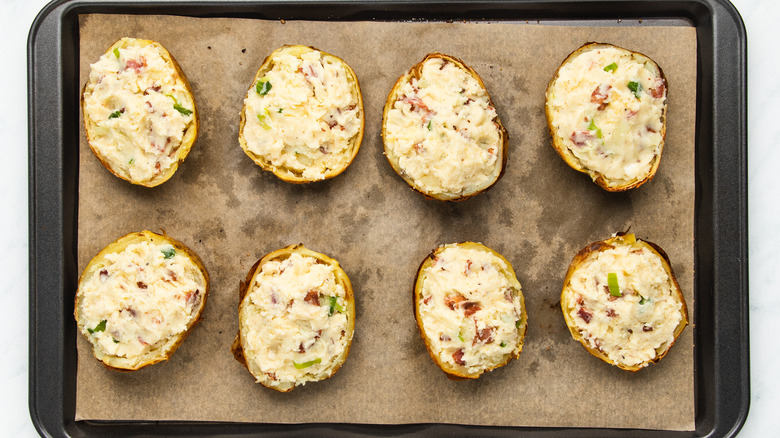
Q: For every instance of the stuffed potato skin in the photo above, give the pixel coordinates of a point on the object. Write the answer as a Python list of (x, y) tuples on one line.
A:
[(183, 287), (606, 114), (431, 182), (267, 308), (145, 158), (633, 307), (333, 154), (497, 313)]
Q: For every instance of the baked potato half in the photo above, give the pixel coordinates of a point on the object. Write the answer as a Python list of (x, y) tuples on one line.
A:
[(303, 116), (296, 318), (620, 299), (606, 112), (138, 299), (139, 112), (470, 309), (441, 132)]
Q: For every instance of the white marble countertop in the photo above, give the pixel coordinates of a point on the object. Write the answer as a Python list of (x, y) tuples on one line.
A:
[(761, 19)]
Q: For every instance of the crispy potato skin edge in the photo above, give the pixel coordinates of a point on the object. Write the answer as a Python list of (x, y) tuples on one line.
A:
[(416, 72), (570, 158), (584, 254), (453, 372), (119, 245), (245, 286), (282, 172), (190, 134)]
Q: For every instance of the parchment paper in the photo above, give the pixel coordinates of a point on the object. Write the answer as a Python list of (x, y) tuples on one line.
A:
[(538, 216)]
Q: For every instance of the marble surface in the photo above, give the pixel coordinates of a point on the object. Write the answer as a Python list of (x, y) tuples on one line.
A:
[(760, 17)]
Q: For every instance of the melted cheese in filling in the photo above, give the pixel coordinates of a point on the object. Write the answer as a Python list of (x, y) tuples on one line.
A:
[(307, 115), (442, 131), (140, 299), (470, 311), (612, 119), (295, 320), (629, 329), (132, 100)]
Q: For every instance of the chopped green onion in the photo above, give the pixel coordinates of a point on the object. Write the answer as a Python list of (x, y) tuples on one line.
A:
[(593, 127), (280, 110), (611, 67), (262, 119), (614, 288), (98, 328), (518, 323), (116, 52), (503, 344), (263, 86), (643, 300), (182, 110), (460, 336), (429, 125), (132, 160), (115, 341), (169, 253), (335, 306), (114, 115), (300, 366), (635, 87)]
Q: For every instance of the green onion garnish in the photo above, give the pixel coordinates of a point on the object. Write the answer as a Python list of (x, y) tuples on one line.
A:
[(614, 289), (643, 300), (593, 127), (169, 253), (132, 160), (635, 87), (280, 110), (611, 67), (430, 126), (116, 52), (460, 336), (517, 323), (263, 122), (114, 115), (182, 110), (335, 306), (98, 328), (263, 86), (300, 366), (115, 341), (503, 344)]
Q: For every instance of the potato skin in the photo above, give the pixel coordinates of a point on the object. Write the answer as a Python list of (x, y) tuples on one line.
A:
[(452, 372), (237, 348), (164, 353), (595, 247), (574, 162), (284, 173), (190, 134), (416, 72)]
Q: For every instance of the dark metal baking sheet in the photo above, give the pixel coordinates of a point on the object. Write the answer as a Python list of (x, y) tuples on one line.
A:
[(721, 280)]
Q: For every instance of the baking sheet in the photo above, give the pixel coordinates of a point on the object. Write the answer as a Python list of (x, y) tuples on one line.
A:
[(538, 216)]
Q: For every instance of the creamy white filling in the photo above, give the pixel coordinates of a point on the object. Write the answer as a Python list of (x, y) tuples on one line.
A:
[(139, 299), (629, 329), (470, 310), (296, 320), (305, 115), (442, 130), (132, 101), (611, 128)]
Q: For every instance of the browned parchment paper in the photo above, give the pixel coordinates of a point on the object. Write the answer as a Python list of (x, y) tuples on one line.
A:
[(538, 216)]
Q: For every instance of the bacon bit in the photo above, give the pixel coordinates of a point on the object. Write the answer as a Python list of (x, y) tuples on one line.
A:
[(585, 315), (313, 297), (580, 300), (323, 150), (273, 298), (155, 88), (468, 101), (103, 275), (141, 285), (600, 94), (579, 138), (301, 349), (271, 376), (631, 331), (458, 357), (453, 300), (417, 104), (491, 151), (158, 167), (484, 336), (172, 275), (659, 90), (647, 328), (637, 251), (151, 108), (418, 147), (156, 320), (612, 298), (136, 64), (130, 311), (611, 313), (142, 341), (290, 303), (317, 336), (508, 295), (443, 64), (427, 299), (471, 308), (649, 129), (444, 338), (468, 267), (192, 296), (631, 114)]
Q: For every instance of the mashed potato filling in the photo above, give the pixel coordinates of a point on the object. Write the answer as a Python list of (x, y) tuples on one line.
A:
[(607, 106), (139, 299), (303, 113), (442, 131), (471, 312), (140, 108), (632, 325), (295, 322)]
